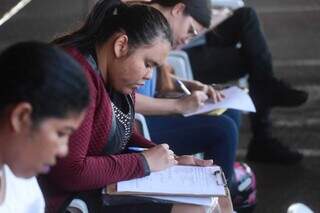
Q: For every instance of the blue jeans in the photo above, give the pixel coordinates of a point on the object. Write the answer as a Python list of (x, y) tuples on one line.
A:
[(215, 136)]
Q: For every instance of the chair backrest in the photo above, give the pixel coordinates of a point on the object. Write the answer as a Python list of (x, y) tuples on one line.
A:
[(179, 60), (142, 126)]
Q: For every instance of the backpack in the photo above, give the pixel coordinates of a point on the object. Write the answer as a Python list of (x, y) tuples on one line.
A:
[(243, 188)]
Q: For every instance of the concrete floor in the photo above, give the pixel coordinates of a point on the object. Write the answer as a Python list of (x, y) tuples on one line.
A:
[(292, 28)]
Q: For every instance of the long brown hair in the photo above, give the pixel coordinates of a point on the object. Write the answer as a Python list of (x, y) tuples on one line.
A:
[(142, 24), (164, 81)]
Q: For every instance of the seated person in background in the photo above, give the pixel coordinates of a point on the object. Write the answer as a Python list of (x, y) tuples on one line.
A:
[(220, 61), (118, 48), (43, 97), (215, 136)]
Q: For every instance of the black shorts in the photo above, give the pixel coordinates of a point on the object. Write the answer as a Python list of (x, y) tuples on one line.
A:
[(139, 208)]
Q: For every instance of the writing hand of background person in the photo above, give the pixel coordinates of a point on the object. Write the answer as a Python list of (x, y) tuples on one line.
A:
[(159, 157), (191, 102), (213, 94)]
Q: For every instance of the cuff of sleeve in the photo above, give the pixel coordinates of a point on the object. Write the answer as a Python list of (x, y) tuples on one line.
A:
[(145, 164)]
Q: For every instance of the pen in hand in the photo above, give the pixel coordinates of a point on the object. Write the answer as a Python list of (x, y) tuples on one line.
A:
[(137, 149), (183, 87)]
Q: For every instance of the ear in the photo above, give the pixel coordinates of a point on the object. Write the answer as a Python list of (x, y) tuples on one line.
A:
[(20, 117), (121, 47), (178, 9)]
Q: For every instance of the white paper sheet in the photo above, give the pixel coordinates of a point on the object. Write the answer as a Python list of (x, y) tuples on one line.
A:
[(178, 180), (235, 98), (202, 201)]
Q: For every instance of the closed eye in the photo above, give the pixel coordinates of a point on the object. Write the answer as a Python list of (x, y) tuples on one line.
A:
[(151, 65)]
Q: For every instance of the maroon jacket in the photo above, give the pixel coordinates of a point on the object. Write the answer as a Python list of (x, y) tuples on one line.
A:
[(86, 167)]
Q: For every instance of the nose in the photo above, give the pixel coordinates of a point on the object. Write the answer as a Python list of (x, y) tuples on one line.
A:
[(148, 74)]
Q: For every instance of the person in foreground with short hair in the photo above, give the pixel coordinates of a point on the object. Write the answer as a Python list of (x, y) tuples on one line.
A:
[(43, 97)]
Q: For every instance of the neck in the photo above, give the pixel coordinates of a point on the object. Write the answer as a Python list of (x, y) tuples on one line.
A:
[(1, 153), (5, 140), (2, 184)]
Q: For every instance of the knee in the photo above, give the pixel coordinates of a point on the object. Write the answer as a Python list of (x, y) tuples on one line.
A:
[(246, 14), (235, 115), (230, 131), (185, 208)]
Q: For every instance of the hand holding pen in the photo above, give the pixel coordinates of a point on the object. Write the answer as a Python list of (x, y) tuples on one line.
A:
[(158, 157), (183, 87), (214, 94), (210, 90), (181, 160)]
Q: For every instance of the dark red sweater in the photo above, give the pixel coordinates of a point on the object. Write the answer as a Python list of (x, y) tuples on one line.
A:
[(86, 167)]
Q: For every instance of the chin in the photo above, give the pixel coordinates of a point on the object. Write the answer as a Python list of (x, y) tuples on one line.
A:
[(127, 91), (23, 174)]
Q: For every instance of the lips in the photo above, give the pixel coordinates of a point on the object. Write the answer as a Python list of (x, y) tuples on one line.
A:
[(138, 85)]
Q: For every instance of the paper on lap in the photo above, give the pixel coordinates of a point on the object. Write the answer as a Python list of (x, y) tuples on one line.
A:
[(235, 98)]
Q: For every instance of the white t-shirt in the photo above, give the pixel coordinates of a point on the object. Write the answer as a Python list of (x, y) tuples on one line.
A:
[(21, 195)]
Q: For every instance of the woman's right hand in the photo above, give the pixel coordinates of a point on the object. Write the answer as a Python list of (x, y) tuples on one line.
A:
[(159, 157), (191, 102)]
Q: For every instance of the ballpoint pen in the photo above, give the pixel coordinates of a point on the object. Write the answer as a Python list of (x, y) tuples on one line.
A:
[(183, 87), (140, 149), (137, 149)]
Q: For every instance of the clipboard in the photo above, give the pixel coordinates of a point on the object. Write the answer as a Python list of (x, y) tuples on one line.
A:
[(218, 185)]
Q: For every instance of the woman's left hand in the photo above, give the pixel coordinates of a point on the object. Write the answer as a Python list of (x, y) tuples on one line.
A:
[(192, 161), (212, 93)]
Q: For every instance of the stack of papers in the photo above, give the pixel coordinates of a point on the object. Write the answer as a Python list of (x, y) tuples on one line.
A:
[(235, 98), (180, 184)]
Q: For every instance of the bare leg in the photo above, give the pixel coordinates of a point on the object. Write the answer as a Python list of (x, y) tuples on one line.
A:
[(184, 208), (224, 206)]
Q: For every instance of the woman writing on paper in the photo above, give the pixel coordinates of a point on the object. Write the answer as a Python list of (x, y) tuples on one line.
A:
[(43, 96), (118, 47), (215, 136)]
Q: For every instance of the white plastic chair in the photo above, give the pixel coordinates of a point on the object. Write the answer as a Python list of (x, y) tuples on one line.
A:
[(179, 60), (143, 124)]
